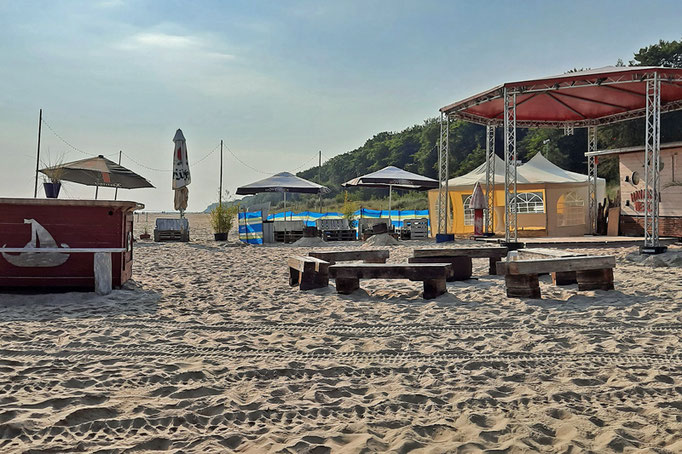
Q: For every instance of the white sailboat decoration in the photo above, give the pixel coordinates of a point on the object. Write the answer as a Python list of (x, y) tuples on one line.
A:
[(40, 237)]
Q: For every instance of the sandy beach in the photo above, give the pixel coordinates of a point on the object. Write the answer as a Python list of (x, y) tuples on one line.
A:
[(208, 349)]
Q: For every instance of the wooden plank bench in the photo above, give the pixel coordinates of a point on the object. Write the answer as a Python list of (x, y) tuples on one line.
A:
[(460, 258), (101, 261), (432, 274), (558, 277), (308, 272), (592, 273), (366, 255)]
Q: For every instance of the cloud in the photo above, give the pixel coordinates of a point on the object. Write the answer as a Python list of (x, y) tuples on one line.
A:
[(159, 42)]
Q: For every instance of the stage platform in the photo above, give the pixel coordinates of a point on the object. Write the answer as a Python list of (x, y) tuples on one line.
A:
[(582, 241)]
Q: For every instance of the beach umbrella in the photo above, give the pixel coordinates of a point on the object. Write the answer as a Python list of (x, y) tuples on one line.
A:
[(181, 175), (283, 182), (97, 171), (393, 177)]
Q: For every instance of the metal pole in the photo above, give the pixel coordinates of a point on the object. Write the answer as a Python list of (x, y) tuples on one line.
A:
[(490, 177), (119, 163), (96, 191), (220, 190), (285, 217), (592, 177), (319, 178), (652, 163), (40, 124), (443, 168), (390, 195)]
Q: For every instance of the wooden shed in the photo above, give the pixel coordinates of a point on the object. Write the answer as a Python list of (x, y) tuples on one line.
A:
[(64, 224)]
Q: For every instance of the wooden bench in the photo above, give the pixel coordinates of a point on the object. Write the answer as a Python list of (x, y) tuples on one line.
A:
[(101, 261), (432, 274), (308, 272), (558, 278), (592, 273), (460, 258), (366, 255)]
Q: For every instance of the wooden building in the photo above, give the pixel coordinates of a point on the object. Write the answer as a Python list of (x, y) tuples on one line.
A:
[(73, 230), (632, 184)]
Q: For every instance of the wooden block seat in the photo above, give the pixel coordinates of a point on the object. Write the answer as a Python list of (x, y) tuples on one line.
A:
[(366, 255), (308, 272), (558, 277), (433, 275), (592, 273), (460, 258)]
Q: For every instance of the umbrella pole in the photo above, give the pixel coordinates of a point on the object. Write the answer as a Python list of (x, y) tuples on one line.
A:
[(390, 194), (96, 191), (285, 216)]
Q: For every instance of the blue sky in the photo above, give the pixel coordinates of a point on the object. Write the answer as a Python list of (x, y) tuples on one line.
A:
[(277, 80)]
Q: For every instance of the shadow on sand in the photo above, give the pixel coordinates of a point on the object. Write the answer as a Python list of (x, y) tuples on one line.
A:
[(68, 303)]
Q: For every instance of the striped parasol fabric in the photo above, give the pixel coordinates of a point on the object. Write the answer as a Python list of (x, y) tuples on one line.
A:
[(98, 171)]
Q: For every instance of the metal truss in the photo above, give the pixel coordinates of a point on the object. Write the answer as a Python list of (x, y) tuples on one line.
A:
[(568, 129), (443, 166), (652, 160), (592, 178), (490, 177), (510, 169)]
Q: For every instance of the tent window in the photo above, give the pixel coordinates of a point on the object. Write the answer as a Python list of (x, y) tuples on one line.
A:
[(530, 202), (468, 211), (570, 209)]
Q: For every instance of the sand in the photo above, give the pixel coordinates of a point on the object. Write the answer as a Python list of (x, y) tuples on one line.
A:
[(209, 350)]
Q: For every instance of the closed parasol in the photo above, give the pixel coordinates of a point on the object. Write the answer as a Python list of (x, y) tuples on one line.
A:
[(181, 175)]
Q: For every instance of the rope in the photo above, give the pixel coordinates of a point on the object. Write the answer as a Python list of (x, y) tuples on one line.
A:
[(67, 142), (203, 158)]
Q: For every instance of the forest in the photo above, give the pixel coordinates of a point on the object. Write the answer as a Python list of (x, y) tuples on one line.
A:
[(416, 149)]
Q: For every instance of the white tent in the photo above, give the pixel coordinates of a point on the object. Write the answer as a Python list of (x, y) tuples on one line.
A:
[(551, 201)]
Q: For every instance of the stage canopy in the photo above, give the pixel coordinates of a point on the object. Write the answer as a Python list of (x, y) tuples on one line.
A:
[(583, 98), (575, 99)]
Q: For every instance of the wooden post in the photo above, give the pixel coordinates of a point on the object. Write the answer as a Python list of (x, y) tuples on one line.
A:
[(40, 124), (220, 191), (102, 271), (119, 163)]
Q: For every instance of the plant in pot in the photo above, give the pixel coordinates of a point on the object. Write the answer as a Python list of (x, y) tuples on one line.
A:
[(53, 180), (145, 235), (222, 217)]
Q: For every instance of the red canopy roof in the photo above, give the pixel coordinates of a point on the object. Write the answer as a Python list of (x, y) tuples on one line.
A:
[(596, 96)]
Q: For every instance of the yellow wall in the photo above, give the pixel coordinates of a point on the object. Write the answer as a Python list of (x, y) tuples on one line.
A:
[(526, 221)]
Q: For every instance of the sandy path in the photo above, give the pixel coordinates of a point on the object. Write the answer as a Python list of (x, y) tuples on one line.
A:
[(209, 350)]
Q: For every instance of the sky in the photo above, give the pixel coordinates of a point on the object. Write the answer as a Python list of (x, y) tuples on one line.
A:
[(276, 80)]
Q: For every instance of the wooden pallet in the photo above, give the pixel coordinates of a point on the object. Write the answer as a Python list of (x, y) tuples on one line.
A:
[(339, 235), (288, 237)]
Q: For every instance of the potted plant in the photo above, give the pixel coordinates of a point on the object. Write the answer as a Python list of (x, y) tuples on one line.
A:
[(221, 220), (53, 182), (145, 235)]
